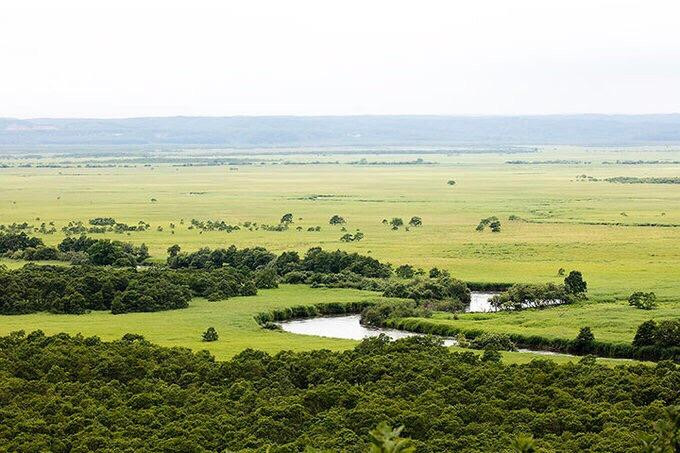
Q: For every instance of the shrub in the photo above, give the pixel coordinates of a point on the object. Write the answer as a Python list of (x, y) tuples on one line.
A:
[(642, 300), (210, 334), (497, 341)]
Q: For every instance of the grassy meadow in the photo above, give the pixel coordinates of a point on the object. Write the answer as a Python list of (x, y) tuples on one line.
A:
[(566, 224)]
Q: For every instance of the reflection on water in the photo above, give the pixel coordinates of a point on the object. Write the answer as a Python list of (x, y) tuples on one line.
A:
[(479, 302), (347, 327)]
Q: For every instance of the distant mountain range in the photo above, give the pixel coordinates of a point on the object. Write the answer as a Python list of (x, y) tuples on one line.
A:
[(283, 131)]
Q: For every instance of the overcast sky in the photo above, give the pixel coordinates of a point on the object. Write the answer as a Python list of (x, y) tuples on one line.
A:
[(258, 57)]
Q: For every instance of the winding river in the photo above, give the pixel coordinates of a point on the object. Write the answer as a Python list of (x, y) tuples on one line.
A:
[(348, 326)]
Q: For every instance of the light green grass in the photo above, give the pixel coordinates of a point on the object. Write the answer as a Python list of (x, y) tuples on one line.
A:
[(615, 260), (614, 322), (232, 318)]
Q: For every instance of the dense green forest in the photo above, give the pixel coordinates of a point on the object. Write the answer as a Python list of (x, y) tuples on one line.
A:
[(76, 394)]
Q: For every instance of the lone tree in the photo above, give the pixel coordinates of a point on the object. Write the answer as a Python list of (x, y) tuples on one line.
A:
[(210, 334), (451, 182), (642, 300), (396, 222), (584, 341), (415, 221), (574, 284), (287, 218), (337, 220)]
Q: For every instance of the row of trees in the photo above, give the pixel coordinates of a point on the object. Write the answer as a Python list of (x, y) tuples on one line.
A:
[(520, 296), (63, 393), (78, 289)]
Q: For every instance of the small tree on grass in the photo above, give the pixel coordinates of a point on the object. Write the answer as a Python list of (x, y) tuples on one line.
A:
[(210, 334), (451, 182), (574, 283), (642, 300), (336, 220), (396, 222), (287, 218), (415, 221)]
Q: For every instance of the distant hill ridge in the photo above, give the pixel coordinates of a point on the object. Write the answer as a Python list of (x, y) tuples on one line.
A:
[(274, 131)]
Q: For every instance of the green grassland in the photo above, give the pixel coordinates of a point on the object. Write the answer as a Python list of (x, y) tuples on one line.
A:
[(232, 318), (558, 231)]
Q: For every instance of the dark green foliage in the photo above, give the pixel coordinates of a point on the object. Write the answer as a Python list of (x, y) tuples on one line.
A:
[(415, 221), (495, 341), (151, 291), (584, 342), (78, 289), (646, 334), (102, 221), (337, 220), (205, 258), (658, 337), (405, 271), (324, 262), (210, 335), (491, 354), (378, 314), (492, 222), (642, 300), (666, 437), (521, 296), (421, 289), (574, 284), (65, 393), (104, 252), (266, 278), (287, 218), (10, 242)]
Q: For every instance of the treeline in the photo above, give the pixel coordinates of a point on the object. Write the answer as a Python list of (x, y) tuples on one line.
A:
[(645, 180), (78, 289), (76, 250), (315, 261), (64, 393), (664, 345)]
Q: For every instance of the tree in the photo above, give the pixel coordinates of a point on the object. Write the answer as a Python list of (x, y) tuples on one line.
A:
[(415, 221), (336, 220), (451, 182), (574, 283), (491, 355), (396, 222), (287, 218), (347, 237), (210, 334), (405, 271), (584, 341), (173, 250), (646, 334), (642, 300), (384, 439)]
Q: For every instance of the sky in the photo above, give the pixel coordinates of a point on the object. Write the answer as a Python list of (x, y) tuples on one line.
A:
[(123, 58)]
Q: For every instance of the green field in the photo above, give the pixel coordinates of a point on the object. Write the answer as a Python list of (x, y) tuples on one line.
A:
[(557, 230), (232, 318)]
